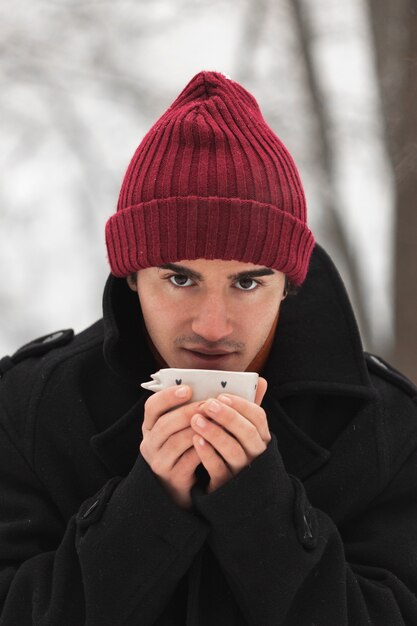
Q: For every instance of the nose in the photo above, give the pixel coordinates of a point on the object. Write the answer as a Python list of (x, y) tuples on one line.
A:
[(211, 320)]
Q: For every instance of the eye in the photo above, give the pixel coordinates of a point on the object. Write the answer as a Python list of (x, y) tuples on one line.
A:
[(247, 284), (180, 280)]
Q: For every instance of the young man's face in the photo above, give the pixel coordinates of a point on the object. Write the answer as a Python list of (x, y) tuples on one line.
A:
[(209, 314)]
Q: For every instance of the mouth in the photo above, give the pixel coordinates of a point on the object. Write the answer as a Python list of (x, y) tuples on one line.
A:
[(206, 352), (209, 356)]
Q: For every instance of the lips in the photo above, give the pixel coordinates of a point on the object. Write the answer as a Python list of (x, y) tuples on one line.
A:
[(208, 355), (210, 352)]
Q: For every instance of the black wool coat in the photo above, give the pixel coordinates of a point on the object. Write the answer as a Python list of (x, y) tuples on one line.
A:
[(321, 529)]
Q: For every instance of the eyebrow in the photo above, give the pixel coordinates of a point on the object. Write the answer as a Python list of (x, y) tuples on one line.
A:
[(186, 271)]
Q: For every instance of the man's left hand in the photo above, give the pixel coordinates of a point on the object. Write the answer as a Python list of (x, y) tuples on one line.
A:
[(234, 433)]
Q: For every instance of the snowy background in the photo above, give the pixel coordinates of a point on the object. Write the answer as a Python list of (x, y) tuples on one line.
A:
[(82, 81)]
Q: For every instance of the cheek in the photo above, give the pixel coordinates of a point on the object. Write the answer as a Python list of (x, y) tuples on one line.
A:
[(260, 318), (160, 314), (264, 309)]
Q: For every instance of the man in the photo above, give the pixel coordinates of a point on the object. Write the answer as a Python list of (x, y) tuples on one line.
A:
[(120, 507)]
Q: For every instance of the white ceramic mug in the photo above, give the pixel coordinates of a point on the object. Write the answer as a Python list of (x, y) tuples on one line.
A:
[(206, 383)]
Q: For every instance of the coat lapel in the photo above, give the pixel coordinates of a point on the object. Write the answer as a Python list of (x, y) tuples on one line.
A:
[(118, 446), (316, 353), (301, 455), (317, 346)]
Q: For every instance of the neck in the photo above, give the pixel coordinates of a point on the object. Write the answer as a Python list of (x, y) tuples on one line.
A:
[(260, 359)]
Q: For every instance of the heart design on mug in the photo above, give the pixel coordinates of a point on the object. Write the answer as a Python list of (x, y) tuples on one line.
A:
[(224, 383), (178, 381)]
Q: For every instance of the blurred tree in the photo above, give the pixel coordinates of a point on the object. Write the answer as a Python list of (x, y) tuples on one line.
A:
[(395, 37), (336, 234), (82, 80), (255, 14), (256, 18)]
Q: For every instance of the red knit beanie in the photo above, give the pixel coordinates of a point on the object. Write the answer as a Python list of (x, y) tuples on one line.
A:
[(211, 180)]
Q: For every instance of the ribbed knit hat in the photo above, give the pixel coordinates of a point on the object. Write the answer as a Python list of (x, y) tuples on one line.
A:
[(211, 180)]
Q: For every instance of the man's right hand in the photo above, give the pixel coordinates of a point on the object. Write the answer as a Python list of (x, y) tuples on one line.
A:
[(167, 444)]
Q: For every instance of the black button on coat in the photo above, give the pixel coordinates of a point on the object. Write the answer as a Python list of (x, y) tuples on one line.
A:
[(321, 529)]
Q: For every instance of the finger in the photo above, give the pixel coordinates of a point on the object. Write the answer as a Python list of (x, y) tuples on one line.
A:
[(172, 450), (248, 410), (163, 460), (183, 469), (162, 401), (242, 429), (223, 442), (170, 423), (182, 477), (216, 467)]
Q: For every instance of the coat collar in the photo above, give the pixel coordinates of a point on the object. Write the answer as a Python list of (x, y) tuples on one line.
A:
[(316, 350), (317, 346)]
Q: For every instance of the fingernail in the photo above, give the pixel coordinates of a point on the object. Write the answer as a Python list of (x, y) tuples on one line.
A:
[(214, 406), (225, 399), (200, 421), (181, 392)]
